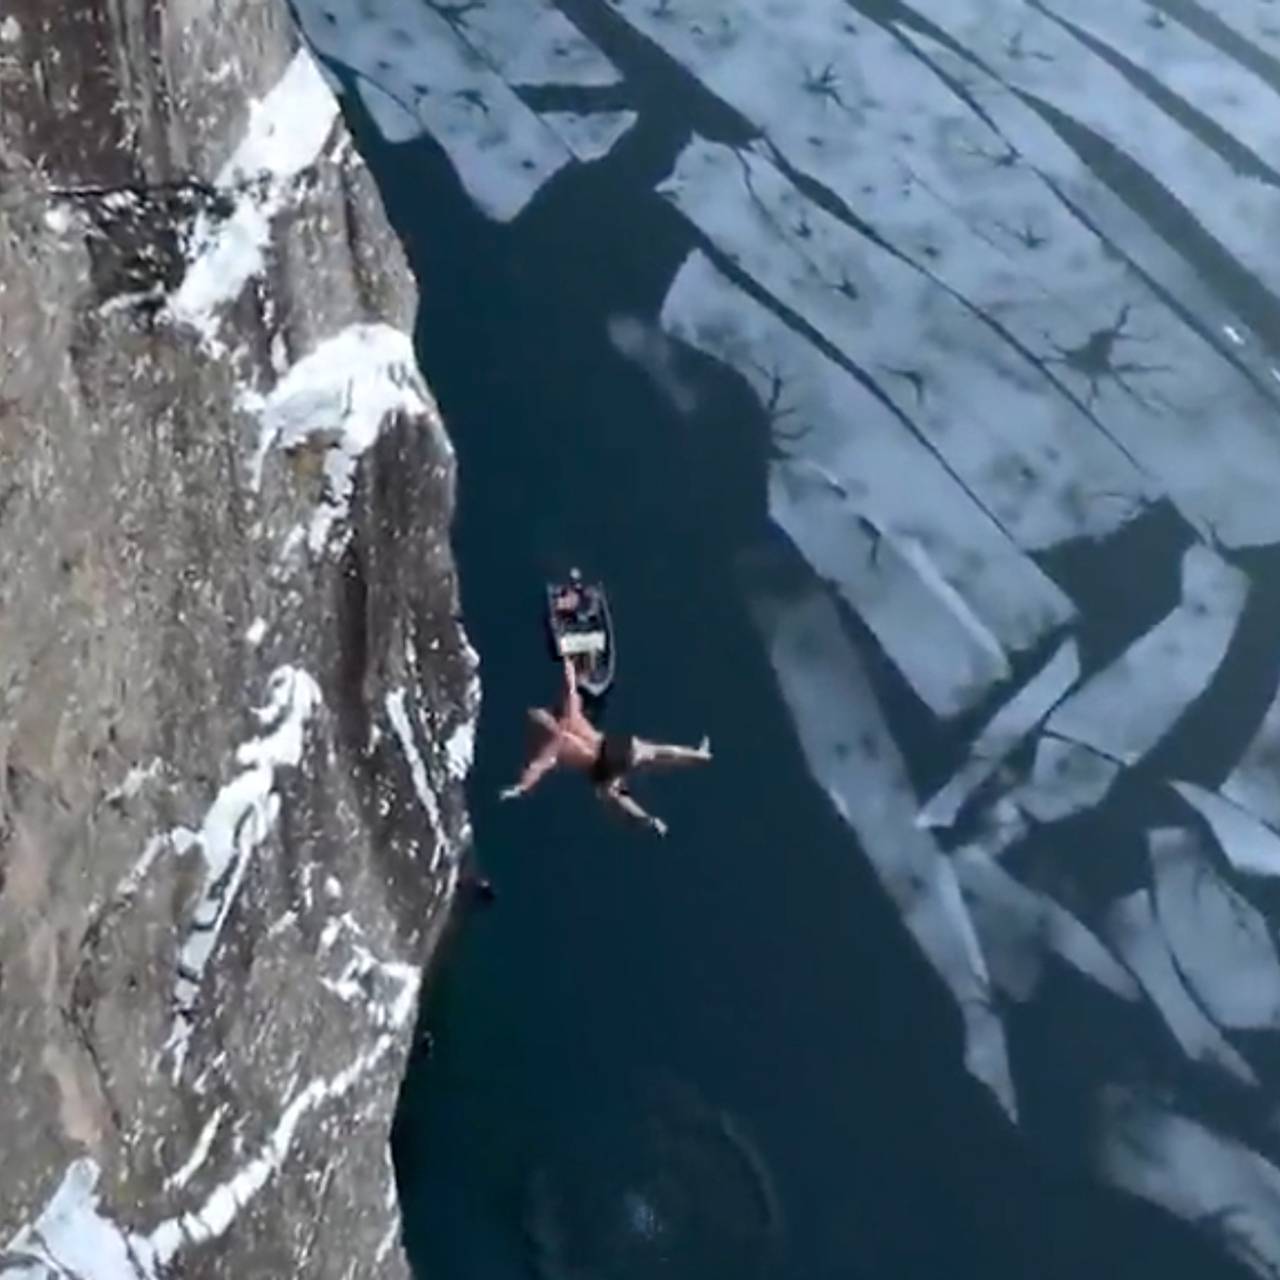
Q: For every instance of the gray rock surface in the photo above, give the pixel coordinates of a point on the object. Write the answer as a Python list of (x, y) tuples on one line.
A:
[(236, 702)]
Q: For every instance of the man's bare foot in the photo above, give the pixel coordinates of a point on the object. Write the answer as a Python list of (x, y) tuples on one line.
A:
[(704, 747)]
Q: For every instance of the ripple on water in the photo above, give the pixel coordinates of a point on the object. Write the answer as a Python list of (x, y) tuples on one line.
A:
[(666, 1185)]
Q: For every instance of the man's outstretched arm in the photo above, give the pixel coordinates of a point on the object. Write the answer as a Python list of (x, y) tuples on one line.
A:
[(628, 807), (572, 698), (534, 772)]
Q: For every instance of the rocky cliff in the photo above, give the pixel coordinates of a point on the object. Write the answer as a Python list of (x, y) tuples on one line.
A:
[(236, 703)]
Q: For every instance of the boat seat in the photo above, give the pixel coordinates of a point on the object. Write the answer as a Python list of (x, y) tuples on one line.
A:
[(579, 642)]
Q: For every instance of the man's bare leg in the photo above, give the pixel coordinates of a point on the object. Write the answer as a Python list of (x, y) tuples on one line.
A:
[(662, 754)]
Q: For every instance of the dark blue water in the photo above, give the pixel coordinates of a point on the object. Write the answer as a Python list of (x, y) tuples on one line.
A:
[(718, 1055)]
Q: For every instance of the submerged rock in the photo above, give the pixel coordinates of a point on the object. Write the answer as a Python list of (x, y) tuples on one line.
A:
[(235, 701)]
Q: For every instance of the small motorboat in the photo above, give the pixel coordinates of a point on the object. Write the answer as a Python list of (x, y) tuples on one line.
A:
[(582, 631)]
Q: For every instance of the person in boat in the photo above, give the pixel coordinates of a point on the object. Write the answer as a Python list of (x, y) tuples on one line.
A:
[(607, 759)]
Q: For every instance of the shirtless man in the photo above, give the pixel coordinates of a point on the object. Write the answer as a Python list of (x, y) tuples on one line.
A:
[(606, 758)]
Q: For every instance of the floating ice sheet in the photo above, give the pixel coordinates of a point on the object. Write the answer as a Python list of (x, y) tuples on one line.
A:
[(1017, 925), (1220, 941), (453, 71), (1249, 845), (1202, 1176), (1002, 733), (855, 759), (958, 192), (416, 74), (1030, 457), (1136, 936), (589, 135), (1066, 778), (1254, 784), (1127, 708), (849, 454), (1033, 53), (946, 653), (1226, 92)]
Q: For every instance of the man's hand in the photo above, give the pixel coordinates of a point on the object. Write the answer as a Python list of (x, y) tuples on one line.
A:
[(510, 793), (658, 826)]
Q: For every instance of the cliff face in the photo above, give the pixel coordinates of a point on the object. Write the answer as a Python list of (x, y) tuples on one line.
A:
[(236, 704)]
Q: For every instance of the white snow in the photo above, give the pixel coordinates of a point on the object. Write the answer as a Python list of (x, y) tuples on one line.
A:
[(339, 397), (460, 749), (1250, 846), (200, 1152), (1135, 935), (285, 135), (1220, 941), (1002, 733), (71, 1237), (1066, 778), (935, 578), (240, 819), (402, 726), (137, 778), (1017, 925), (1202, 1176), (385, 990), (856, 761), (256, 633), (1127, 708)]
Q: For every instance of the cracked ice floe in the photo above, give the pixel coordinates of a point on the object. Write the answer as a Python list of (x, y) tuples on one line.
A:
[(1033, 54), (592, 135), (1002, 733), (339, 397), (1258, 23), (1009, 154), (240, 819), (402, 726), (1199, 1175), (1016, 925), (848, 106), (1127, 708), (450, 72), (1226, 91), (855, 759), (1066, 778), (1220, 941), (1249, 845), (286, 133), (1035, 462), (916, 560), (1135, 935), (1252, 784)]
